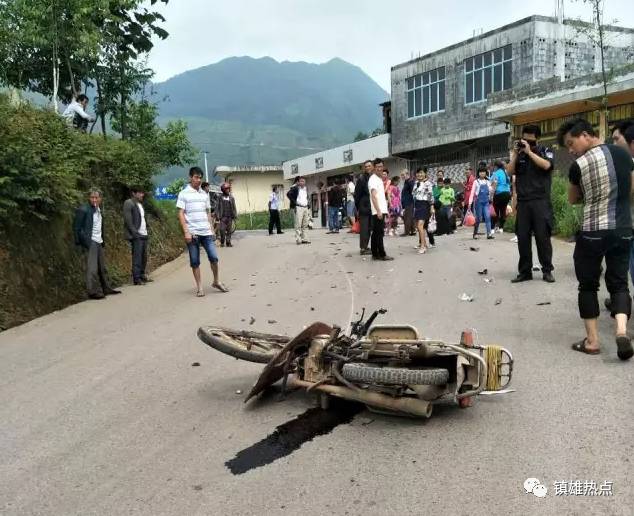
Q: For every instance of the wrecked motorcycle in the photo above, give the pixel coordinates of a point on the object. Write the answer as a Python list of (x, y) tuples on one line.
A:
[(389, 368)]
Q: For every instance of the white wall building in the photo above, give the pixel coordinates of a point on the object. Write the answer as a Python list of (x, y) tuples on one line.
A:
[(324, 168)]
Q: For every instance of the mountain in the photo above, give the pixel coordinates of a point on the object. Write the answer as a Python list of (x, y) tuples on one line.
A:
[(259, 111)]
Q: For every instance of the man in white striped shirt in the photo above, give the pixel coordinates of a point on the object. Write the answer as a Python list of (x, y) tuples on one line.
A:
[(194, 214)]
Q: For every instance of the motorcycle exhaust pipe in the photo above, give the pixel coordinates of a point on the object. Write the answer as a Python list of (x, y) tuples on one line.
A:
[(412, 406)]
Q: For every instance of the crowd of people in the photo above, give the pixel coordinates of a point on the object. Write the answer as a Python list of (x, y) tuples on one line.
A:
[(600, 178), (200, 222), (422, 205)]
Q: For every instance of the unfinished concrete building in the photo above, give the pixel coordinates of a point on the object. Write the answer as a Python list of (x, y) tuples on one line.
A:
[(439, 100)]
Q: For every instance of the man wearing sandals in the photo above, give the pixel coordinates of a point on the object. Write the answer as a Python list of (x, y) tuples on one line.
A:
[(194, 214), (600, 178)]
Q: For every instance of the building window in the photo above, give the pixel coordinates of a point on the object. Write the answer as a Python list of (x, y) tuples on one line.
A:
[(426, 93), (294, 169), (484, 73), (347, 156), (319, 163)]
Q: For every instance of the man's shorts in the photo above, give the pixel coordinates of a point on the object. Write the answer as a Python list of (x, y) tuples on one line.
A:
[(208, 243), (350, 209)]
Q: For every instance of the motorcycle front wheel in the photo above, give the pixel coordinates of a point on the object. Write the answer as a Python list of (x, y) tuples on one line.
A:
[(244, 345)]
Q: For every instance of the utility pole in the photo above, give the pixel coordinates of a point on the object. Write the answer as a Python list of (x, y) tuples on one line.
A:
[(206, 171)]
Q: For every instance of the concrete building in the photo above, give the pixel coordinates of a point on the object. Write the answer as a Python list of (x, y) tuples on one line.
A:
[(549, 103), (252, 185), (439, 100), (324, 168)]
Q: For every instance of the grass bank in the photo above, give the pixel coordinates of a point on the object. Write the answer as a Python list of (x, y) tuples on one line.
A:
[(260, 220)]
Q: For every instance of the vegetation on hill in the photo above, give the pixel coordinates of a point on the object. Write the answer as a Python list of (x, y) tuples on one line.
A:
[(246, 111)]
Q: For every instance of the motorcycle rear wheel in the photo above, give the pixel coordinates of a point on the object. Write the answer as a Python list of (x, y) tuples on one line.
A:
[(244, 345), (374, 373)]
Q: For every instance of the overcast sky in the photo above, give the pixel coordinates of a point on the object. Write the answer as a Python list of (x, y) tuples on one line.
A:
[(372, 34)]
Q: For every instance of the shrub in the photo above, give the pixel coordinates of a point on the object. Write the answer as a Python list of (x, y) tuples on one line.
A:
[(260, 220), (567, 218)]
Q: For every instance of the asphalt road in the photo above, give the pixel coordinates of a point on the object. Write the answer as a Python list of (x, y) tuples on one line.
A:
[(102, 412)]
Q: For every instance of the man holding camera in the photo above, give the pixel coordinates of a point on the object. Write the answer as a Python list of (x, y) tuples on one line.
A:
[(532, 166)]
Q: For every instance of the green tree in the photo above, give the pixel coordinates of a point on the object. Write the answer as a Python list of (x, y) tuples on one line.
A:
[(361, 136), (54, 46), (176, 186)]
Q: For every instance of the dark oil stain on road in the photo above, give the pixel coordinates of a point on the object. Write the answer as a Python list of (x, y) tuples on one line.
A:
[(291, 435)]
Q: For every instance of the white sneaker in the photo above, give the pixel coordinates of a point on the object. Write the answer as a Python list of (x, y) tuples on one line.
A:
[(500, 230), (432, 246), (514, 240)]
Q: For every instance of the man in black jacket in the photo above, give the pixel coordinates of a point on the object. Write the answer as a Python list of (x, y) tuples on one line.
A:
[(136, 232), (362, 203), (88, 230)]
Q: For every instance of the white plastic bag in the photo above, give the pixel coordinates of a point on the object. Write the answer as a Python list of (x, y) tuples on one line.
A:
[(432, 226)]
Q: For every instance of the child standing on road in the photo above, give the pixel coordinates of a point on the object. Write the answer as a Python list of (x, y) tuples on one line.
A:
[(481, 194), (394, 203), (447, 198)]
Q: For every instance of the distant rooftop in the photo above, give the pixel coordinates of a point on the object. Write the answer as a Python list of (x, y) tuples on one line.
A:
[(223, 169)]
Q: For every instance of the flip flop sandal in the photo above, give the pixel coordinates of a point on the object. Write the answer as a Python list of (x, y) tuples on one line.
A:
[(220, 286), (624, 347), (581, 346), (200, 293)]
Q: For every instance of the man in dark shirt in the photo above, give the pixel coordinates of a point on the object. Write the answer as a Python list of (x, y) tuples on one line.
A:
[(532, 165), (335, 203), (601, 178), (362, 202), (407, 203)]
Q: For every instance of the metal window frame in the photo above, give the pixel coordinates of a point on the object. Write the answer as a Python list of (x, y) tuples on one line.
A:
[(469, 75), (426, 85)]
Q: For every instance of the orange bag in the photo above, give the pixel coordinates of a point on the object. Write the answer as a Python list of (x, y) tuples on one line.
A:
[(356, 227), (469, 219)]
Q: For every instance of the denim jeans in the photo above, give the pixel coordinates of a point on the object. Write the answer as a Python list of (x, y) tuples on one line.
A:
[(333, 218), (208, 243), (482, 213)]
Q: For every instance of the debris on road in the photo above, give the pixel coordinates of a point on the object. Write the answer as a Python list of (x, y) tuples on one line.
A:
[(252, 320), (498, 301), (483, 272), (543, 303), (238, 391), (272, 321), (492, 393), (196, 364), (312, 308), (536, 269), (474, 249), (488, 280), (465, 297)]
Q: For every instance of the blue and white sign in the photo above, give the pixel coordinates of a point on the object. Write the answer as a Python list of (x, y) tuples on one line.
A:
[(160, 192)]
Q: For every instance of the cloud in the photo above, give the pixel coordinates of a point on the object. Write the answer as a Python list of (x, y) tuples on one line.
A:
[(372, 34)]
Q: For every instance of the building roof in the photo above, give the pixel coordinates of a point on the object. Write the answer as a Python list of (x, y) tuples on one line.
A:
[(254, 169), (338, 158), (523, 21), (553, 98)]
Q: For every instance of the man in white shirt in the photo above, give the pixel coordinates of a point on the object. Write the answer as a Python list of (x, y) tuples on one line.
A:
[(136, 232), (299, 197), (88, 230), (75, 113), (194, 215), (378, 204), (274, 212)]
